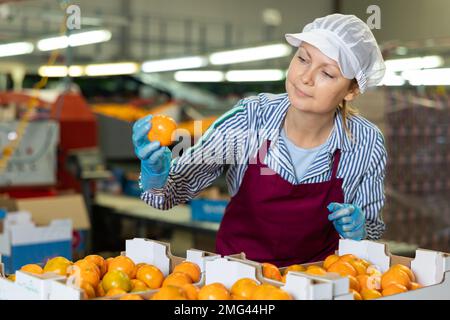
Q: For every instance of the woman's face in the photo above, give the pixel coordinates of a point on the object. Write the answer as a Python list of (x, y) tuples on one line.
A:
[(314, 82)]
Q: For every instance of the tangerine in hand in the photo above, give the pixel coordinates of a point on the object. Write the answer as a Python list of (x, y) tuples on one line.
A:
[(162, 129)]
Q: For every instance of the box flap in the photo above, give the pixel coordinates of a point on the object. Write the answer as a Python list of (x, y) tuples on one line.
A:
[(143, 250), (228, 272), (374, 252), (428, 266), (60, 290), (199, 257), (39, 285), (57, 230), (305, 287), (8, 203), (45, 209)]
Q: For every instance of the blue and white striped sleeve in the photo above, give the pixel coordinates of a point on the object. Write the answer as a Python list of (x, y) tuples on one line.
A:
[(370, 195), (200, 165)]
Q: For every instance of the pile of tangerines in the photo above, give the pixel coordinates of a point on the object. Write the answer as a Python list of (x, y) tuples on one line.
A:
[(366, 280), (121, 277), (99, 277)]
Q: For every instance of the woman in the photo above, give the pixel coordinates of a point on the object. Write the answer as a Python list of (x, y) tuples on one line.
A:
[(306, 169)]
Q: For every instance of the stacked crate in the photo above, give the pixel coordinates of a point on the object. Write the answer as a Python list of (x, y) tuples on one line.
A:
[(417, 132)]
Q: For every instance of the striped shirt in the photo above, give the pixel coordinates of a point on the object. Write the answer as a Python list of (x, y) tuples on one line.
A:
[(236, 137)]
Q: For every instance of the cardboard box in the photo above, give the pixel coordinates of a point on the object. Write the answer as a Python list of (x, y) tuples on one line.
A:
[(22, 242), (431, 268), (140, 251), (27, 286), (300, 286), (45, 209)]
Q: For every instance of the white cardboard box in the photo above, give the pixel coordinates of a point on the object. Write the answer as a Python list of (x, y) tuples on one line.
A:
[(431, 268), (22, 242), (140, 251), (300, 286)]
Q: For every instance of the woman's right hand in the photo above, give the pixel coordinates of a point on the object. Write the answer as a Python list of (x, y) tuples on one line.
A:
[(155, 160)]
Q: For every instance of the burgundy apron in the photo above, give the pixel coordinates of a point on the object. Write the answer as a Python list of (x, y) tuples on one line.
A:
[(272, 220)]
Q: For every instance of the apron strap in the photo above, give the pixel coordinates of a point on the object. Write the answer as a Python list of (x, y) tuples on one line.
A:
[(337, 158)]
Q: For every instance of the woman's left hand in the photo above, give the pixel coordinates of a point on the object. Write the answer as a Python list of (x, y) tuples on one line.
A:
[(348, 219)]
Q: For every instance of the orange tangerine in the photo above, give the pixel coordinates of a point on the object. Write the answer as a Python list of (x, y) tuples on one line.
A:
[(124, 264), (356, 294), (177, 279), (138, 285), (263, 291), (395, 276), (89, 291), (354, 283), (99, 291), (191, 269), (86, 271), (407, 270), (214, 291), (115, 292), (170, 293), (394, 288), (99, 261), (294, 267), (347, 257), (369, 294), (316, 270), (362, 281), (191, 291), (244, 288), (374, 282), (344, 268), (271, 271), (116, 279), (415, 285), (359, 266), (32, 268), (151, 276), (278, 294), (131, 297), (330, 260), (373, 270), (162, 129), (59, 265)]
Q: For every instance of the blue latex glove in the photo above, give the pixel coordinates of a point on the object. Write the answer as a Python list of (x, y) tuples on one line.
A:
[(348, 219), (155, 160)]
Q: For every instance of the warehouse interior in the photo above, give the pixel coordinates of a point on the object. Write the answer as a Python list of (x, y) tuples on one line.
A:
[(67, 108)]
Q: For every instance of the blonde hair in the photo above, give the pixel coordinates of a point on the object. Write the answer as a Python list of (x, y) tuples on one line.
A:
[(348, 111)]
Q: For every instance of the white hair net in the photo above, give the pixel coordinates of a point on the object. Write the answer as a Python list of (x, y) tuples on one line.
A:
[(350, 42)]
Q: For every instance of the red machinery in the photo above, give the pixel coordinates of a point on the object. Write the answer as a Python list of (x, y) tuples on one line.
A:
[(77, 130)]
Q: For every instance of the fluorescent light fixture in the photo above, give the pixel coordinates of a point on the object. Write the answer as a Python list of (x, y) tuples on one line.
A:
[(74, 40), (53, 43), (89, 37), (109, 69), (60, 71), (15, 48), (174, 64), (255, 75), (391, 79), (199, 76), (250, 54), (428, 77), (417, 63)]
